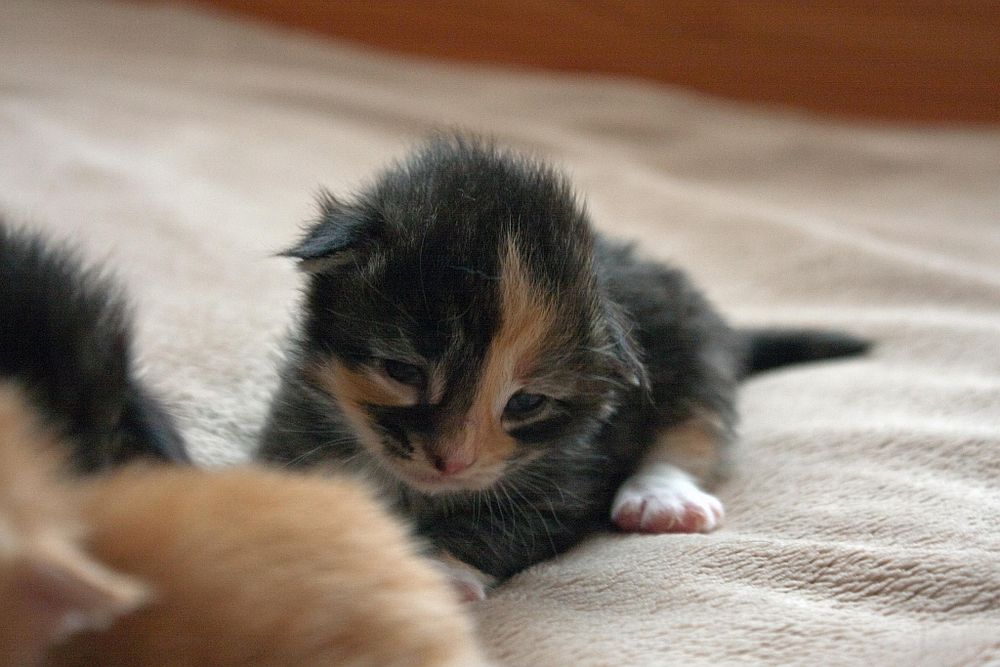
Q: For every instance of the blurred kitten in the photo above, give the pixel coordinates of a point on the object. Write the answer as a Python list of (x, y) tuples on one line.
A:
[(240, 567), (65, 338)]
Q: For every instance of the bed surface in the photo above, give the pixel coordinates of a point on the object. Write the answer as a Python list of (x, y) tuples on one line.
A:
[(184, 150)]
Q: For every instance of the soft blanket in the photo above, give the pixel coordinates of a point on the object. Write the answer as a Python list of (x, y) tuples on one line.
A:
[(183, 150)]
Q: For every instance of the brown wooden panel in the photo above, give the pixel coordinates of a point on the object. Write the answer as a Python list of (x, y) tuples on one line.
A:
[(925, 60)]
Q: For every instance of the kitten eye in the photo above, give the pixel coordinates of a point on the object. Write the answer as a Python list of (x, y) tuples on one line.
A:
[(403, 372), (523, 404)]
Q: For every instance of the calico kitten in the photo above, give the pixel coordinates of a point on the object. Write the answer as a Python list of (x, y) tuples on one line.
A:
[(241, 567), (510, 379), (65, 339)]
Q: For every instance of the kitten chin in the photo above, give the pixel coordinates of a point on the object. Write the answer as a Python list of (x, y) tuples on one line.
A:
[(153, 566), (512, 379)]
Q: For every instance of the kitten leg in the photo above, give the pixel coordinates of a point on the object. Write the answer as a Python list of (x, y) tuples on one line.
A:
[(663, 496)]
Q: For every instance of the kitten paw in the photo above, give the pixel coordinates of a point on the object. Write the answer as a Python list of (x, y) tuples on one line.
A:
[(469, 583), (663, 499)]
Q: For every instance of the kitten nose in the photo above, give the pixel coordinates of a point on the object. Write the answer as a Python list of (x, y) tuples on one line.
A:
[(451, 464)]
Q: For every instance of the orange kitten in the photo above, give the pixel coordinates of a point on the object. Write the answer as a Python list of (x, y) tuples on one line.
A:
[(243, 567), (253, 567)]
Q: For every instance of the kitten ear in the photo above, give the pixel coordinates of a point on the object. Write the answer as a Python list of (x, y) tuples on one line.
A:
[(333, 239), (71, 592), (627, 359)]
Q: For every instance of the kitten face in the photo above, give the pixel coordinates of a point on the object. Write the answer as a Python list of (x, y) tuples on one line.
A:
[(455, 319)]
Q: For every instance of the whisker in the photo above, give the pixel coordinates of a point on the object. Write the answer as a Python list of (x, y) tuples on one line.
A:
[(541, 519)]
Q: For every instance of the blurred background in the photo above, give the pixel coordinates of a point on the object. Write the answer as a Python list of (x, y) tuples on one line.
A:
[(910, 60)]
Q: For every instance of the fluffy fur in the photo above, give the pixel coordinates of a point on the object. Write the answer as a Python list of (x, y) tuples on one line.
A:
[(50, 586), (510, 379), (242, 567), (65, 339), (254, 567), (152, 566)]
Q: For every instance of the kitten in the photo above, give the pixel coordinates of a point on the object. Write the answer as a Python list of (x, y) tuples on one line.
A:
[(240, 567), (255, 567), (65, 339), (511, 380)]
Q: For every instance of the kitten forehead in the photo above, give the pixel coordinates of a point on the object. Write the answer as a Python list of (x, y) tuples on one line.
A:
[(477, 194), (526, 323), (527, 319), (397, 348)]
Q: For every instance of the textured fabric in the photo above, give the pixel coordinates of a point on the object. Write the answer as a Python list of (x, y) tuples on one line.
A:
[(863, 526)]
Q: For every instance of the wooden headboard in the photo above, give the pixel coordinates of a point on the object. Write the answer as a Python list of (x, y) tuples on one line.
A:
[(921, 60)]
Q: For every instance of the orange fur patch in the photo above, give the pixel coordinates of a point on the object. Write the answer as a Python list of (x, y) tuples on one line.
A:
[(697, 446), (257, 567), (527, 321), (359, 386), (48, 584), (28, 462), (351, 389)]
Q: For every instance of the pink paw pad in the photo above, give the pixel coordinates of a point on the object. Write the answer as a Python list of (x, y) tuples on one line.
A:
[(468, 591), (468, 583)]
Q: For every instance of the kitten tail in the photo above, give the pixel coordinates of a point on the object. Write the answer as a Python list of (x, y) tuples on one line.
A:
[(765, 349)]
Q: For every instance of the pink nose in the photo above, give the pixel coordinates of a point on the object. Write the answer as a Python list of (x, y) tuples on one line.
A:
[(451, 464)]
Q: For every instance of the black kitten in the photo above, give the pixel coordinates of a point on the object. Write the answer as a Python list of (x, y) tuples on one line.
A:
[(64, 339), (512, 380)]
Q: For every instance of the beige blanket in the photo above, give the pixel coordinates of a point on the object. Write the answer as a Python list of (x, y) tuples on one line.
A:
[(864, 515)]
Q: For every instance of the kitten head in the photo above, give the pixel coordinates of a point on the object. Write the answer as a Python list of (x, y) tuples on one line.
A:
[(455, 318)]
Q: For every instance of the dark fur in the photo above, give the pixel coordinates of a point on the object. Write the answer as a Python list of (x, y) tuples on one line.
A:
[(64, 338), (639, 345)]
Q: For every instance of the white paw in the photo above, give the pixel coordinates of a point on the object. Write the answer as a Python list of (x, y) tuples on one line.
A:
[(663, 499), (470, 583)]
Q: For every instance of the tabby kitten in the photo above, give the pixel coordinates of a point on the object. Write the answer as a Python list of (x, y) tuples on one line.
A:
[(510, 379)]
